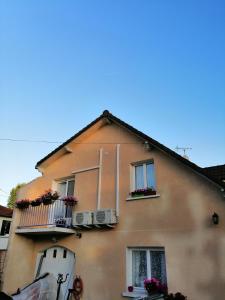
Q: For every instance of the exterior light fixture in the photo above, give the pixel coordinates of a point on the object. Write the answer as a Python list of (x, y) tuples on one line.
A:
[(54, 239), (147, 145), (215, 218), (78, 234)]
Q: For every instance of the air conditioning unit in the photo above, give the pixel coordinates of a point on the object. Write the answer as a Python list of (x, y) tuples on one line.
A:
[(104, 216), (82, 218)]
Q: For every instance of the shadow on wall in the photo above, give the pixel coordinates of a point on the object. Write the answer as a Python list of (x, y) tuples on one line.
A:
[(215, 287)]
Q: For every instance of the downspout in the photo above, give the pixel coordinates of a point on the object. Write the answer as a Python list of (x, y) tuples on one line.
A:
[(117, 178), (99, 179)]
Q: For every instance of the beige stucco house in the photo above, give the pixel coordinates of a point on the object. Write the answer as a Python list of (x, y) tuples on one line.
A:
[(114, 238)]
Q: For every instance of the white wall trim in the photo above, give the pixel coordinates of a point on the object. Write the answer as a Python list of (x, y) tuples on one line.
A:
[(99, 179), (86, 169)]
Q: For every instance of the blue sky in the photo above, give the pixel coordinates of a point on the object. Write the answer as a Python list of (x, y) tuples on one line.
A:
[(157, 64)]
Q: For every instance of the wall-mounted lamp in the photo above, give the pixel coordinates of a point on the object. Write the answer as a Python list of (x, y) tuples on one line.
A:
[(147, 145), (78, 234), (215, 218), (54, 239)]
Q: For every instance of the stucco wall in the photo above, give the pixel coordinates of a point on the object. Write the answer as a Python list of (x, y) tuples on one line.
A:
[(179, 220)]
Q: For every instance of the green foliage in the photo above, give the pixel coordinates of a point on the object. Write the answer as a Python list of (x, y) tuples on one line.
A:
[(13, 194)]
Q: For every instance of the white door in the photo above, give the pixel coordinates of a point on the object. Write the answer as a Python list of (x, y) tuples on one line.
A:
[(58, 260), (61, 211)]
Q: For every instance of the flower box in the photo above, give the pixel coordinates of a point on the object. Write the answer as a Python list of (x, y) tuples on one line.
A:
[(55, 195), (36, 202), (70, 200), (49, 197), (143, 192), (22, 204)]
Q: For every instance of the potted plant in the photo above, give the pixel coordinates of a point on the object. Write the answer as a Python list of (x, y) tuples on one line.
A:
[(153, 286), (23, 203), (177, 296), (55, 195), (70, 200), (60, 222), (149, 191), (143, 192), (36, 202), (49, 197), (130, 288)]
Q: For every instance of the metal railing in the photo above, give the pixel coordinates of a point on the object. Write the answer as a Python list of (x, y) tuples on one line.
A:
[(56, 214)]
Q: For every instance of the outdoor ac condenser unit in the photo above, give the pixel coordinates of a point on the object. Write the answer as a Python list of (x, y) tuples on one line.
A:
[(82, 218), (104, 216)]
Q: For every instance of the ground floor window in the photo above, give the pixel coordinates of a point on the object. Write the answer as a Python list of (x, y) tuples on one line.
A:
[(145, 263), (5, 227)]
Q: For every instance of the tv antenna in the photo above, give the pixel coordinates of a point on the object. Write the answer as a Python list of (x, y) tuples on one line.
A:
[(184, 149)]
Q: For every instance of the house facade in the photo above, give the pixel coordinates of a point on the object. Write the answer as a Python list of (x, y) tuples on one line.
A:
[(117, 235)]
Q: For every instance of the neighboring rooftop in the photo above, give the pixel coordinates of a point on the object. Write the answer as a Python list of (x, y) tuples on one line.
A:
[(5, 212), (217, 172)]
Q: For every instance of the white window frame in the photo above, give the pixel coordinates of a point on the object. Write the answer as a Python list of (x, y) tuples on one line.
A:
[(144, 164), (129, 266), (66, 180)]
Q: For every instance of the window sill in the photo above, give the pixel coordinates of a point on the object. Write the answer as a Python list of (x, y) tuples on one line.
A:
[(143, 295), (142, 197), (134, 294)]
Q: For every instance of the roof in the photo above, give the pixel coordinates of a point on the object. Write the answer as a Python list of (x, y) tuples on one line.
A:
[(216, 171), (5, 212), (107, 115)]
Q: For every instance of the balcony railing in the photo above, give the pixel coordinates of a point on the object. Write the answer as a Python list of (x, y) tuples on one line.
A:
[(56, 214)]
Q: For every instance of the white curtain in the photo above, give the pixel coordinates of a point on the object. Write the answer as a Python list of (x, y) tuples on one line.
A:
[(158, 266), (139, 267)]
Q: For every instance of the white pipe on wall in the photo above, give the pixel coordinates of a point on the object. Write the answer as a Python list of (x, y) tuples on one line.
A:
[(117, 178), (99, 179)]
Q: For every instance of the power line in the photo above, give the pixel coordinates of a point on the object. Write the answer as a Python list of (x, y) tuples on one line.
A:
[(58, 142), (29, 141), (1, 190)]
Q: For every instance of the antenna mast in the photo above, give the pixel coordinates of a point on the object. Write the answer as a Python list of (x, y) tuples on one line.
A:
[(184, 149)]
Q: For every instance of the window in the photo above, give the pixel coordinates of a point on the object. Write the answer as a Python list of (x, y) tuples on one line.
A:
[(54, 253), (66, 187), (144, 176), (64, 253), (5, 227), (145, 263)]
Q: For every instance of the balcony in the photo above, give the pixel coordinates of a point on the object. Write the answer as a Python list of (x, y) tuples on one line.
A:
[(53, 219)]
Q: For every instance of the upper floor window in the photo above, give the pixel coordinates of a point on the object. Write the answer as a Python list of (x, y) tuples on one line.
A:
[(66, 187), (144, 176)]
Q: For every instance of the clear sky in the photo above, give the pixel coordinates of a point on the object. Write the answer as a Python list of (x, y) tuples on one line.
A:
[(157, 64)]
